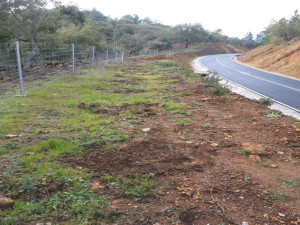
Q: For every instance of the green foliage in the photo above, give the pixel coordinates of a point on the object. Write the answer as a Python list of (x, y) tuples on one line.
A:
[(284, 29), (272, 115), (281, 196), (167, 64), (264, 101), (28, 184), (33, 22), (176, 108), (289, 183), (55, 147), (139, 186), (214, 87), (243, 152)]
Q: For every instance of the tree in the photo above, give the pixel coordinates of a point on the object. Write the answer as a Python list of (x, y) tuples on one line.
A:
[(260, 38), (190, 32), (27, 15), (248, 37)]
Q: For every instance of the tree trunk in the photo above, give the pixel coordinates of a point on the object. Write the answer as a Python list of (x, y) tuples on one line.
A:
[(186, 43)]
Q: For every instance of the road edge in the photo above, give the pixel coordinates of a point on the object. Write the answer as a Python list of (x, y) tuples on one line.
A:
[(246, 92)]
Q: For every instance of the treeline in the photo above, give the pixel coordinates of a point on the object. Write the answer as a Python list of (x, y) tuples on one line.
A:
[(283, 30), (42, 21)]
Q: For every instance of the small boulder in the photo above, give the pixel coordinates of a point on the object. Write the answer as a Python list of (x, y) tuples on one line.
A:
[(5, 202)]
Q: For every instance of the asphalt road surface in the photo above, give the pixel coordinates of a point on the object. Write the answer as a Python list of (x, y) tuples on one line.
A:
[(282, 89)]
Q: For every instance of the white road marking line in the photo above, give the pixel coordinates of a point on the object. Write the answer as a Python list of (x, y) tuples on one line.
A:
[(247, 74)]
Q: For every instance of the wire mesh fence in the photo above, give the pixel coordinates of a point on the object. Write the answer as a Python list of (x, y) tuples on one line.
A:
[(52, 59)]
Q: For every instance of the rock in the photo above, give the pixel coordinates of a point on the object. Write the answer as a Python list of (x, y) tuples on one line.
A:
[(272, 165), (280, 153), (256, 149), (255, 157), (5, 202), (298, 130), (281, 214), (214, 145), (245, 223), (96, 185), (146, 130), (10, 136)]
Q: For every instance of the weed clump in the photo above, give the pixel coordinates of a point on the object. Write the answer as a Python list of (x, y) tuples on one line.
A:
[(214, 87), (264, 101), (139, 186)]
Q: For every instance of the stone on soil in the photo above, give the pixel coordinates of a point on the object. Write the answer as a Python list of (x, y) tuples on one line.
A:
[(5, 202)]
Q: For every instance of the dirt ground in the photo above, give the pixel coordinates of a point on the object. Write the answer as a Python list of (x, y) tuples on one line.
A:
[(280, 58), (225, 163)]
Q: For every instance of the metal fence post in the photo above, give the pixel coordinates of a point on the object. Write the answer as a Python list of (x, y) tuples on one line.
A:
[(93, 57), (19, 68), (106, 54), (116, 56), (73, 59), (122, 56)]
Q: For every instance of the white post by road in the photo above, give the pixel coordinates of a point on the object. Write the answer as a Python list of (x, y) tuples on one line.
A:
[(106, 54), (19, 68)]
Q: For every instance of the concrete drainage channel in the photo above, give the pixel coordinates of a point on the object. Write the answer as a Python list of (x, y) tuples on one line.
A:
[(241, 90)]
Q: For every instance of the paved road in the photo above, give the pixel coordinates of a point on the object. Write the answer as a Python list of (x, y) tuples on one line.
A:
[(282, 89)]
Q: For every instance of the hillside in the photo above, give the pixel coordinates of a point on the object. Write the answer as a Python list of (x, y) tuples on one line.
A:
[(283, 59)]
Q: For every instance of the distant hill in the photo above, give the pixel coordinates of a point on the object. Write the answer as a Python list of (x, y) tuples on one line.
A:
[(283, 58)]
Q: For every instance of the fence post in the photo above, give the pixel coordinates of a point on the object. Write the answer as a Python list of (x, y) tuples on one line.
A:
[(116, 56), (19, 68), (73, 59), (122, 56), (106, 54), (93, 57)]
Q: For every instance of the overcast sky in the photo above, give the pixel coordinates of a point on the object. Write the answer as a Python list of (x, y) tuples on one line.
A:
[(234, 17)]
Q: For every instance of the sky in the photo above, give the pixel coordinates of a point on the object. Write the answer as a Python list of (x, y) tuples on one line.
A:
[(235, 17)]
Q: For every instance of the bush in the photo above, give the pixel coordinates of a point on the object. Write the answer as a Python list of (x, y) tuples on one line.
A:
[(264, 101), (214, 87)]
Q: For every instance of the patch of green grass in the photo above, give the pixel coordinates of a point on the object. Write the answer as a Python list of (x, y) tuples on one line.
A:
[(3, 151), (281, 196), (243, 152), (289, 183), (138, 186), (176, 108), (264, 101), (272, 115), (55, 148), (297, 123), (246, 152), (76, 203), (183, 122), (167, 64)]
